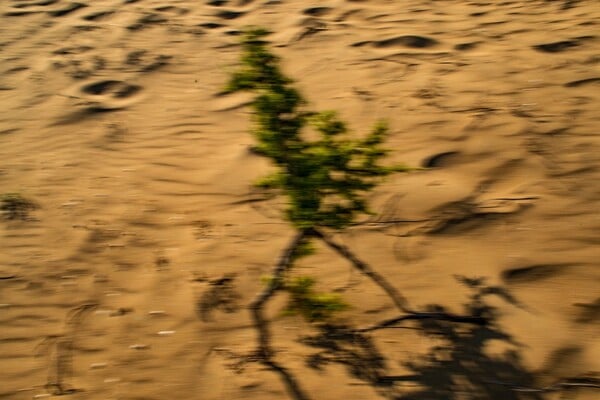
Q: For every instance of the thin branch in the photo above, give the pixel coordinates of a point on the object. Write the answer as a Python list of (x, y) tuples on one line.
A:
[(399, 300), (265, 352)]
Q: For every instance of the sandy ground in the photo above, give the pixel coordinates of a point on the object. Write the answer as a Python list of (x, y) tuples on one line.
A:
[(112, 124)]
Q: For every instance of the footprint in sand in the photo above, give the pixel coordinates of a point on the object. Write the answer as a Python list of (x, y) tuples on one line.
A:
[(440, 160), (563, 45), (144, 61), (588, 312), (229, 14), (466, 46), (308, 27), (76, 61), (67, 9), (411, 41), (221, 14), (210, 25), (98, 15), (172, 10), (55, 8), (317, 11), (106, 95), (147, 20), (20, 8), (160, 15)]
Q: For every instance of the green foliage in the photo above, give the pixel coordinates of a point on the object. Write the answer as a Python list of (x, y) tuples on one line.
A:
[(271, 181), (305, 301), (313, 306), (304, 248), (15, 206), (325, 179)]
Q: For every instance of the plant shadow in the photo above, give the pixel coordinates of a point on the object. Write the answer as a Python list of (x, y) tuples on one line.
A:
[(457, 368)]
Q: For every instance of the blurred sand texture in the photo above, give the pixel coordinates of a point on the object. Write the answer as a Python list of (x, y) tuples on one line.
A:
[(112, 123)]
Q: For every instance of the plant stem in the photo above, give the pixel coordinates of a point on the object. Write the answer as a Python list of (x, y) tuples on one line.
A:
[(265, 352), (399, 301)]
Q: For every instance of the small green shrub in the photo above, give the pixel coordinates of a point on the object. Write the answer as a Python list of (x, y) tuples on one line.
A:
[(323, 170), (305, 301), (325, 175), (325, 179)]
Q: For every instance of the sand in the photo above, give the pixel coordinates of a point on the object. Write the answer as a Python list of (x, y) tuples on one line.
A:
[(112, 123)]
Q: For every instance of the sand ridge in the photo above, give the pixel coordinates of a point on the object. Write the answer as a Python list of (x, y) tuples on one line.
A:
[(114, 124)]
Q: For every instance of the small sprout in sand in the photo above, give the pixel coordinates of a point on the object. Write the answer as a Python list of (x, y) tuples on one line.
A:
[(305, 301), (313, 306)]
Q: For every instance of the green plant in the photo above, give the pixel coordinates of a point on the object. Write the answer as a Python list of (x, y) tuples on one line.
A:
[(324, 179), (312, 305), (305, 301), (325, 173), (15, 206)]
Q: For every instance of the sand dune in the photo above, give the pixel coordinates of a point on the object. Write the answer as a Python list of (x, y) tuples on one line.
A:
[(115, 126)]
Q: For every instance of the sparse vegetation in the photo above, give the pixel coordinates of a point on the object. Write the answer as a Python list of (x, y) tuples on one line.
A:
[(325, 173), (312, 305), (325, 179), (15, 206)]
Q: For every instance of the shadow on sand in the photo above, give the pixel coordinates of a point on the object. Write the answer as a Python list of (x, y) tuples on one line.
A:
[(456, 368)]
